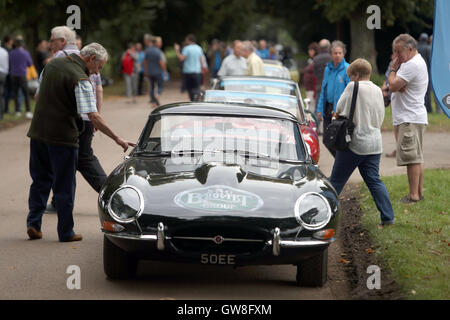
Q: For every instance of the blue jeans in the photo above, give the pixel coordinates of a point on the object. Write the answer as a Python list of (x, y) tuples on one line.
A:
[(52, 167), (344, 165)]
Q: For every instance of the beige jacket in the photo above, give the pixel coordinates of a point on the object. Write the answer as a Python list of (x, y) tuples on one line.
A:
[(255, 66)]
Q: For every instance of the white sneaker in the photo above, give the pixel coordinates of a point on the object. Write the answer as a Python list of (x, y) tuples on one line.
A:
[(18, 114), (29, 115)]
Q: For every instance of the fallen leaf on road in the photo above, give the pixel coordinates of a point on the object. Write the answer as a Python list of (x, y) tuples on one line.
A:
[(370, 250), (342, 260)]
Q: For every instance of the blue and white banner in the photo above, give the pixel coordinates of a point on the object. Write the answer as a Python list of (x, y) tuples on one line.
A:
[(440, 56)]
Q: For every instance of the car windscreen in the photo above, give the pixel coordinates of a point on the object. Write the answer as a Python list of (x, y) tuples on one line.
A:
[(284, 102), (264, 86), (269, 138), (275, 71)]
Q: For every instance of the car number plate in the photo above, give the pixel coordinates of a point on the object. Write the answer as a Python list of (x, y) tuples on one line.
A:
[(211, 258)]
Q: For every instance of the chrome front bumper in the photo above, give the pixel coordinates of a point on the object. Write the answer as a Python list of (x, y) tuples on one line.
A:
[(276, 243)]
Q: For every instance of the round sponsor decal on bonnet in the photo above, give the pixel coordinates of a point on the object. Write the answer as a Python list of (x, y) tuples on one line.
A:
[(218, 198)]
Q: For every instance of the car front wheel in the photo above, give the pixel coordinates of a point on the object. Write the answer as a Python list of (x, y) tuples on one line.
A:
[(313, 272), (116, 262)]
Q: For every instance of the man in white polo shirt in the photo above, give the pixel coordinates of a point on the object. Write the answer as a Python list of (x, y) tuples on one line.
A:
[(408, 82), (234, 64)]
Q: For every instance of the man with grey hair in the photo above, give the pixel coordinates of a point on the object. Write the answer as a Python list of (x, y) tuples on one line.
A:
[(88, 164), (62, 38), (65, 94), (234, 64), (255, 66), (408, 82)]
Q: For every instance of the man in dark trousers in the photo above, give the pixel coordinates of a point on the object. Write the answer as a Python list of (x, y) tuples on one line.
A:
[(65, 93), (320, 62), (88, 164)]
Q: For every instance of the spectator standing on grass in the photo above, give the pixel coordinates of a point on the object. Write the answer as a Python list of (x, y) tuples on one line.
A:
[(425, 51), (438, 107), (193, 60), (365, 147), (234, 64), (255, 66), (65, 94), (408, 82), (4, 70), (155, 67), (309, 79), (335, 79), (19, 61)]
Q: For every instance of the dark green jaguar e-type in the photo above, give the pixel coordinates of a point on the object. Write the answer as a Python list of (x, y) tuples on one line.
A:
[(223, 184)]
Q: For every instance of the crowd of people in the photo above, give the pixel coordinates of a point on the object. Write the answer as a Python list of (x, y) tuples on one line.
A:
[(148, 63), (70, 94), (330, 81), (16, 70)]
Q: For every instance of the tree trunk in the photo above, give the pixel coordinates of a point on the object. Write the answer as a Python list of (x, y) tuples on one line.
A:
[(363, 41)]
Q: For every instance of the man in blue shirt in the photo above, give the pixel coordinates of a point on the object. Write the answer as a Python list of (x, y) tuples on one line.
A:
[(335, 79), (263, 52), (192, 57)]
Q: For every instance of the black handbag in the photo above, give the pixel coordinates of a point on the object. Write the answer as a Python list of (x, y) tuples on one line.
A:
[(339, 132)]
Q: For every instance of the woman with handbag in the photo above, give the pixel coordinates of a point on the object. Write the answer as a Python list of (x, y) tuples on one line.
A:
[(365, 148)]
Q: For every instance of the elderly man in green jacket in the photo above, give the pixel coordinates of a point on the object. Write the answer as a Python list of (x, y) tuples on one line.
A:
[(65, 93)]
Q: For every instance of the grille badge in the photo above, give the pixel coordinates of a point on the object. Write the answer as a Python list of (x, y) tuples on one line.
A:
[(218, 239)]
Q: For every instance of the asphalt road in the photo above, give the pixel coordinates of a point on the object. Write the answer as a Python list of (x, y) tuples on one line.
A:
[(37, 269)]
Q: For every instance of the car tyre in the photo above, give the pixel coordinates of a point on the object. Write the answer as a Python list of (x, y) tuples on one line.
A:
[(313, 272), (117, 263)]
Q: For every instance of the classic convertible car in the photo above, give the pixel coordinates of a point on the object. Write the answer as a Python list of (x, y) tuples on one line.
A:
[(224, 186), (280, 101), (264, 85)]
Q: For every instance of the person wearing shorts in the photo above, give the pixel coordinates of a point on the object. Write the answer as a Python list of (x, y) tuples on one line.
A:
[(408, 82)]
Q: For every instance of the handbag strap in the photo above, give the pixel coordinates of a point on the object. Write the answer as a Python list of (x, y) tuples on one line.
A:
[(353, 105)]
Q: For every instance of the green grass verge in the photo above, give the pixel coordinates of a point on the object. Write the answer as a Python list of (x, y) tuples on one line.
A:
[(416, 249)]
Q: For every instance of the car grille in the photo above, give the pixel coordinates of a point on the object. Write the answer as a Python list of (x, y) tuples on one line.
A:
[(204, 240)]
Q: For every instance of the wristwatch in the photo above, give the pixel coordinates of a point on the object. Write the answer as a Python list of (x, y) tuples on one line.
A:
[(392, 70)]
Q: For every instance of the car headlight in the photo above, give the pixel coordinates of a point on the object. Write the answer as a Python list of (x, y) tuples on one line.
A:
[(312, 211), (126, 204)]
